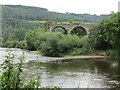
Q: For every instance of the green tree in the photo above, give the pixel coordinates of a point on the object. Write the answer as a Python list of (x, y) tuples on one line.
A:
[(107, 35), (30, 38), (104, 35), (10, 43)]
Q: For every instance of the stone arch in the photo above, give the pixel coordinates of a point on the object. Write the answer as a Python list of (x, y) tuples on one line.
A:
[(65, 30), (79, 30)]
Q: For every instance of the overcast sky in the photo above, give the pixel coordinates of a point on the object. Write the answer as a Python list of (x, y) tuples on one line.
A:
[(73, 6)]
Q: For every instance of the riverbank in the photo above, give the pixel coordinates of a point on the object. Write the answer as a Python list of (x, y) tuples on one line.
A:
[(35, 56), (98, 56), (83, 57), (77, 57)]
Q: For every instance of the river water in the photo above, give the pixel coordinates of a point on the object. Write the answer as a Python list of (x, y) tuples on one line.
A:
[(71, 73)]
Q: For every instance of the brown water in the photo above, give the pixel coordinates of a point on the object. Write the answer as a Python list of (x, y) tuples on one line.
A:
[(77, 73), (71, 73)]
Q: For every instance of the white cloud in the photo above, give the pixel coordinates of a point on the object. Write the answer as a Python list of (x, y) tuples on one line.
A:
[(75, 6)]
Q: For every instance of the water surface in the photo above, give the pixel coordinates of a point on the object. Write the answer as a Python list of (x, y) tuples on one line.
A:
[(77, 74), (71, 73)]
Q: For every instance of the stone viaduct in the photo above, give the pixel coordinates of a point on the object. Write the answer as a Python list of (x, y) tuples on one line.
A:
[(69, 27)]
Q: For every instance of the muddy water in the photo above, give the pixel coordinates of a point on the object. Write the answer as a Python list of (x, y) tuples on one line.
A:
[(70, 73), (77, 73)]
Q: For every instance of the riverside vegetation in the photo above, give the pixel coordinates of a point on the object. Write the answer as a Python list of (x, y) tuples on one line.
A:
[(104, 37), (12, 75), (26, 31)]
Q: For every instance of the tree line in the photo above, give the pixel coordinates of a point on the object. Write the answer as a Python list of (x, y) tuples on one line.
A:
[(36, 13), (29, 34)]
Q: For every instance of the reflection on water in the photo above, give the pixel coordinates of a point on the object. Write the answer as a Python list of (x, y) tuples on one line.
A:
[(72, 74), (77, 73)]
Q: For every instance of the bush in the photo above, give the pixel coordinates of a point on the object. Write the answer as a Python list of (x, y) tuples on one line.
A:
[(106, 34), (30, 38), (48, 43), (22, 44), (68, 42), (57, 44), (78, 51), (84, 42), (112, 54), (54, 43)]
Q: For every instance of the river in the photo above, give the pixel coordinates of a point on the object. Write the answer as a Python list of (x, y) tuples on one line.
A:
[(69, 73)]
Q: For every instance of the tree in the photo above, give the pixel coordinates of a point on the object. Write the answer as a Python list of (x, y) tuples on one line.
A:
[(10, 41), (105, 35), (30, 38)]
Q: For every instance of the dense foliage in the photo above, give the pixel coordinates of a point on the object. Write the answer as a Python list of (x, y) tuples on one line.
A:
[(53, 43), (35, 13), (106, 35), (17, 28), (17, 20), (24, 29)]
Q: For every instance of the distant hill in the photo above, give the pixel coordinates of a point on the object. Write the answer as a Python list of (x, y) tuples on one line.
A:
[(35, 13)]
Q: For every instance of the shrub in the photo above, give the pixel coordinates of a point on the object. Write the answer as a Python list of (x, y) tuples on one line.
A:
[(54, 43), (112, 54), (12, 75), (68, 42), (10, 78), (48, 43), (78, 51), (22, 44), (84, 42), (30, 38)]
